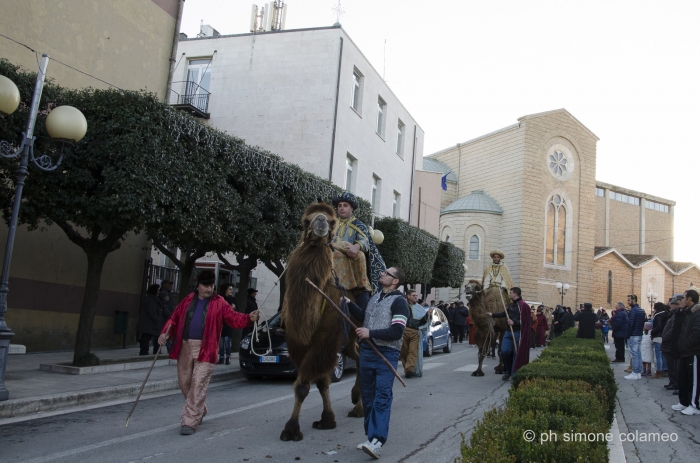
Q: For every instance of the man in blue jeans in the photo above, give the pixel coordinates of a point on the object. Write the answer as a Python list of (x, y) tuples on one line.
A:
[(384, 323), (515, 350), (635, 331)]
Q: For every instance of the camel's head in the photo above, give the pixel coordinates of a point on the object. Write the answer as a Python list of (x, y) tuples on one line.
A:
[(319, 222), (472, 289)]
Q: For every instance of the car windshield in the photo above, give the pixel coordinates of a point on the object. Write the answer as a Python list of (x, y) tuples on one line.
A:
[(275, 321)]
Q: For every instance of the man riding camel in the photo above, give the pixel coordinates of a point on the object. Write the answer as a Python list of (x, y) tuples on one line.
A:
[(357, 261), (497, 274)]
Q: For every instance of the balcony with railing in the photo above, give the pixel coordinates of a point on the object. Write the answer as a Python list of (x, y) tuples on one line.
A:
[(191, 97)]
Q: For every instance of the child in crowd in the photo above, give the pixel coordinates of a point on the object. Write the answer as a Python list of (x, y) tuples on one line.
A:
[(647, 350)]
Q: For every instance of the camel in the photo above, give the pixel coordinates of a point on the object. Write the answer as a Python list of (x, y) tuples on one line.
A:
[(314, 331), (488, 328)]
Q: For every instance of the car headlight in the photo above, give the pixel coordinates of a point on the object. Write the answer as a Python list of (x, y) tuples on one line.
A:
[(245, 344)]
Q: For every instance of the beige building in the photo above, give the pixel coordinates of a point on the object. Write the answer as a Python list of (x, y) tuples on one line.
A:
[(128, 43), (529, 189)]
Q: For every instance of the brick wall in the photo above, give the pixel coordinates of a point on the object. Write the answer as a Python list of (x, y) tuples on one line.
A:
[(658, 234), (622, 281), (624, 227)]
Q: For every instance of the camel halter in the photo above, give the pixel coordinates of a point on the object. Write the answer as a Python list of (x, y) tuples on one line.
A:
[(254, 336)]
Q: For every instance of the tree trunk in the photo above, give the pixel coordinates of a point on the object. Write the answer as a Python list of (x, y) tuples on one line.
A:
[(277, 268), (245, 266), (83, 337)]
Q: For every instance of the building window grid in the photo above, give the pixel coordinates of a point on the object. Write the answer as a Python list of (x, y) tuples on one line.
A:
[(600, 192), (653, 205), (356, 91), (375, 192), (474, 248), (555, 251), (399, 138), (625, 198), (381, 111), (349, 167)]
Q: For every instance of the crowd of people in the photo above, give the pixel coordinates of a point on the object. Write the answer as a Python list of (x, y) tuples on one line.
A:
[(668, 340)]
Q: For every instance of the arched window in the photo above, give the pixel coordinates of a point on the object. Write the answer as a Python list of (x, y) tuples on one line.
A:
[(556, 231), (610, 281), (474, 247)]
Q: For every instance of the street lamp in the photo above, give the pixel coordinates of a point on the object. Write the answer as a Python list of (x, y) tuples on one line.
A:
[(65, 124), (652, 297), (562, 288)]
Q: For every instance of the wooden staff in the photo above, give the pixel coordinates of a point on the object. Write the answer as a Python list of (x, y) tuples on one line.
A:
[(145, 380), (330, 301), (512, 333)]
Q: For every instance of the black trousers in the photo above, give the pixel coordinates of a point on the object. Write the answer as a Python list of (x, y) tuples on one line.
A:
[(145, 341), (619, 349), (673, 365), (458, 331), (689, 389)]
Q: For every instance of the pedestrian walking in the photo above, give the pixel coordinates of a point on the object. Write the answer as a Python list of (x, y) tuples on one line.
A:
[(515, 350), (150, 320), (618, 325), (195, 327), (384, 323), (412, 345), (586, 319), (226, 331)]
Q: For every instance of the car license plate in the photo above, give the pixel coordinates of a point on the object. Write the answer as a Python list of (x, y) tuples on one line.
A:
[(269, 359)]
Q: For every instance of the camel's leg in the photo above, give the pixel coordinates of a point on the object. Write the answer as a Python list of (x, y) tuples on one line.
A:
[(327, 416), (358, 410), (479, 371), (500, 368), (291, 429)]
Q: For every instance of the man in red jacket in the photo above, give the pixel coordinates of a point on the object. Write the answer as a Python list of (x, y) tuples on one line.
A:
[(195, 326)]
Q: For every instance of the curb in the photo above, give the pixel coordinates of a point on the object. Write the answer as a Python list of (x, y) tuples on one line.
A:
[(71, 370), (29, 405)]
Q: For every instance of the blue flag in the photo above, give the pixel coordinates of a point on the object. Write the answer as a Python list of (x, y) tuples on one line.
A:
[(444, 182)]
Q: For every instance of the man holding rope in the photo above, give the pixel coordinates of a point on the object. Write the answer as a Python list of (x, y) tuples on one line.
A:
[(515, 350), (384, 323), (196, 324)]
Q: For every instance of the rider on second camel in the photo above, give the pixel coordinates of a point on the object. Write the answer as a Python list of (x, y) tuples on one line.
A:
[(357, 261)]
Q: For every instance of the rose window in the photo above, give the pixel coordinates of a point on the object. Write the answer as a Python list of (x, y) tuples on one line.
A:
[(557, 163)]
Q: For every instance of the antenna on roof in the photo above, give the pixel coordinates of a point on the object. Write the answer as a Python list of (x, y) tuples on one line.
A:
[(272, 17)]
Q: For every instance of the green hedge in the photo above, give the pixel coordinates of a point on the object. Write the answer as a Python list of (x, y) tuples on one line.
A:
[(409, 248), (448, 270), (570, 389)]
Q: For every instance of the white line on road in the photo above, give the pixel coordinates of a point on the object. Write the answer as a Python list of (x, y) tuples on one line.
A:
[(430, 366), (119, 440), (471, 367)]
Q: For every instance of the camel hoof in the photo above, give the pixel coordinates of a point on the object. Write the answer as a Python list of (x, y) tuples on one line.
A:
[(291, 431), (478, 373), (327, 421), (357, 412)]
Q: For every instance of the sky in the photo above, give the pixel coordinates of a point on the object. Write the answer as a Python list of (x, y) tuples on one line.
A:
[(628, 70)]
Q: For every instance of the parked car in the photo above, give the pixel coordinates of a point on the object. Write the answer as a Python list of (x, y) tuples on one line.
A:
[(275, 362), (439, 336)]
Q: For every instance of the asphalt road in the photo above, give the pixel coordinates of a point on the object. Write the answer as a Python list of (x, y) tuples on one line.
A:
[(246, 417)]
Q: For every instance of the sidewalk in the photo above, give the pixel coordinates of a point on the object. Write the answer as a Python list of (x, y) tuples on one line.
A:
[(644, 413), (33, 391)]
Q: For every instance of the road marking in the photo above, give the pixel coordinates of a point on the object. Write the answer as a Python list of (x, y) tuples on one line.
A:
[(471, 367), (430, 366), (119, 440)]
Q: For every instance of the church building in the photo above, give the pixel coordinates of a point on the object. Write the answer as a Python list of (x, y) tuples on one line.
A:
[(529, 189)]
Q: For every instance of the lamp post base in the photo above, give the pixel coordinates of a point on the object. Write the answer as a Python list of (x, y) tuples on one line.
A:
[(4, 349)]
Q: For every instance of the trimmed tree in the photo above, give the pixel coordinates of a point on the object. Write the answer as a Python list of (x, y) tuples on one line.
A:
[(448, 271)]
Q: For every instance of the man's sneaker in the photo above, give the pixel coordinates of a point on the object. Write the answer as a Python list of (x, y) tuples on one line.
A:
[(634, 376), (359, 446), (691, 411), (373, 449), (679, 407)]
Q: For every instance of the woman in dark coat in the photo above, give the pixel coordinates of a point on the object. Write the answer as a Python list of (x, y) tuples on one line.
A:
[(150, 320), (542, 327), (586, 319), (226, 331)]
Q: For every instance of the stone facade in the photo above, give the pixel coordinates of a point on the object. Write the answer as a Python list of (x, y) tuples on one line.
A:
[(517, 166), (129, 44)]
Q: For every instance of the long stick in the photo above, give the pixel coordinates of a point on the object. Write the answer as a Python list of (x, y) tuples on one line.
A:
[(330, 301), (145, 380)]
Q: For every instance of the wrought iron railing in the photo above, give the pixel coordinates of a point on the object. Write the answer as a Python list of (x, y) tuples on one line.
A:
[(189, 93)]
